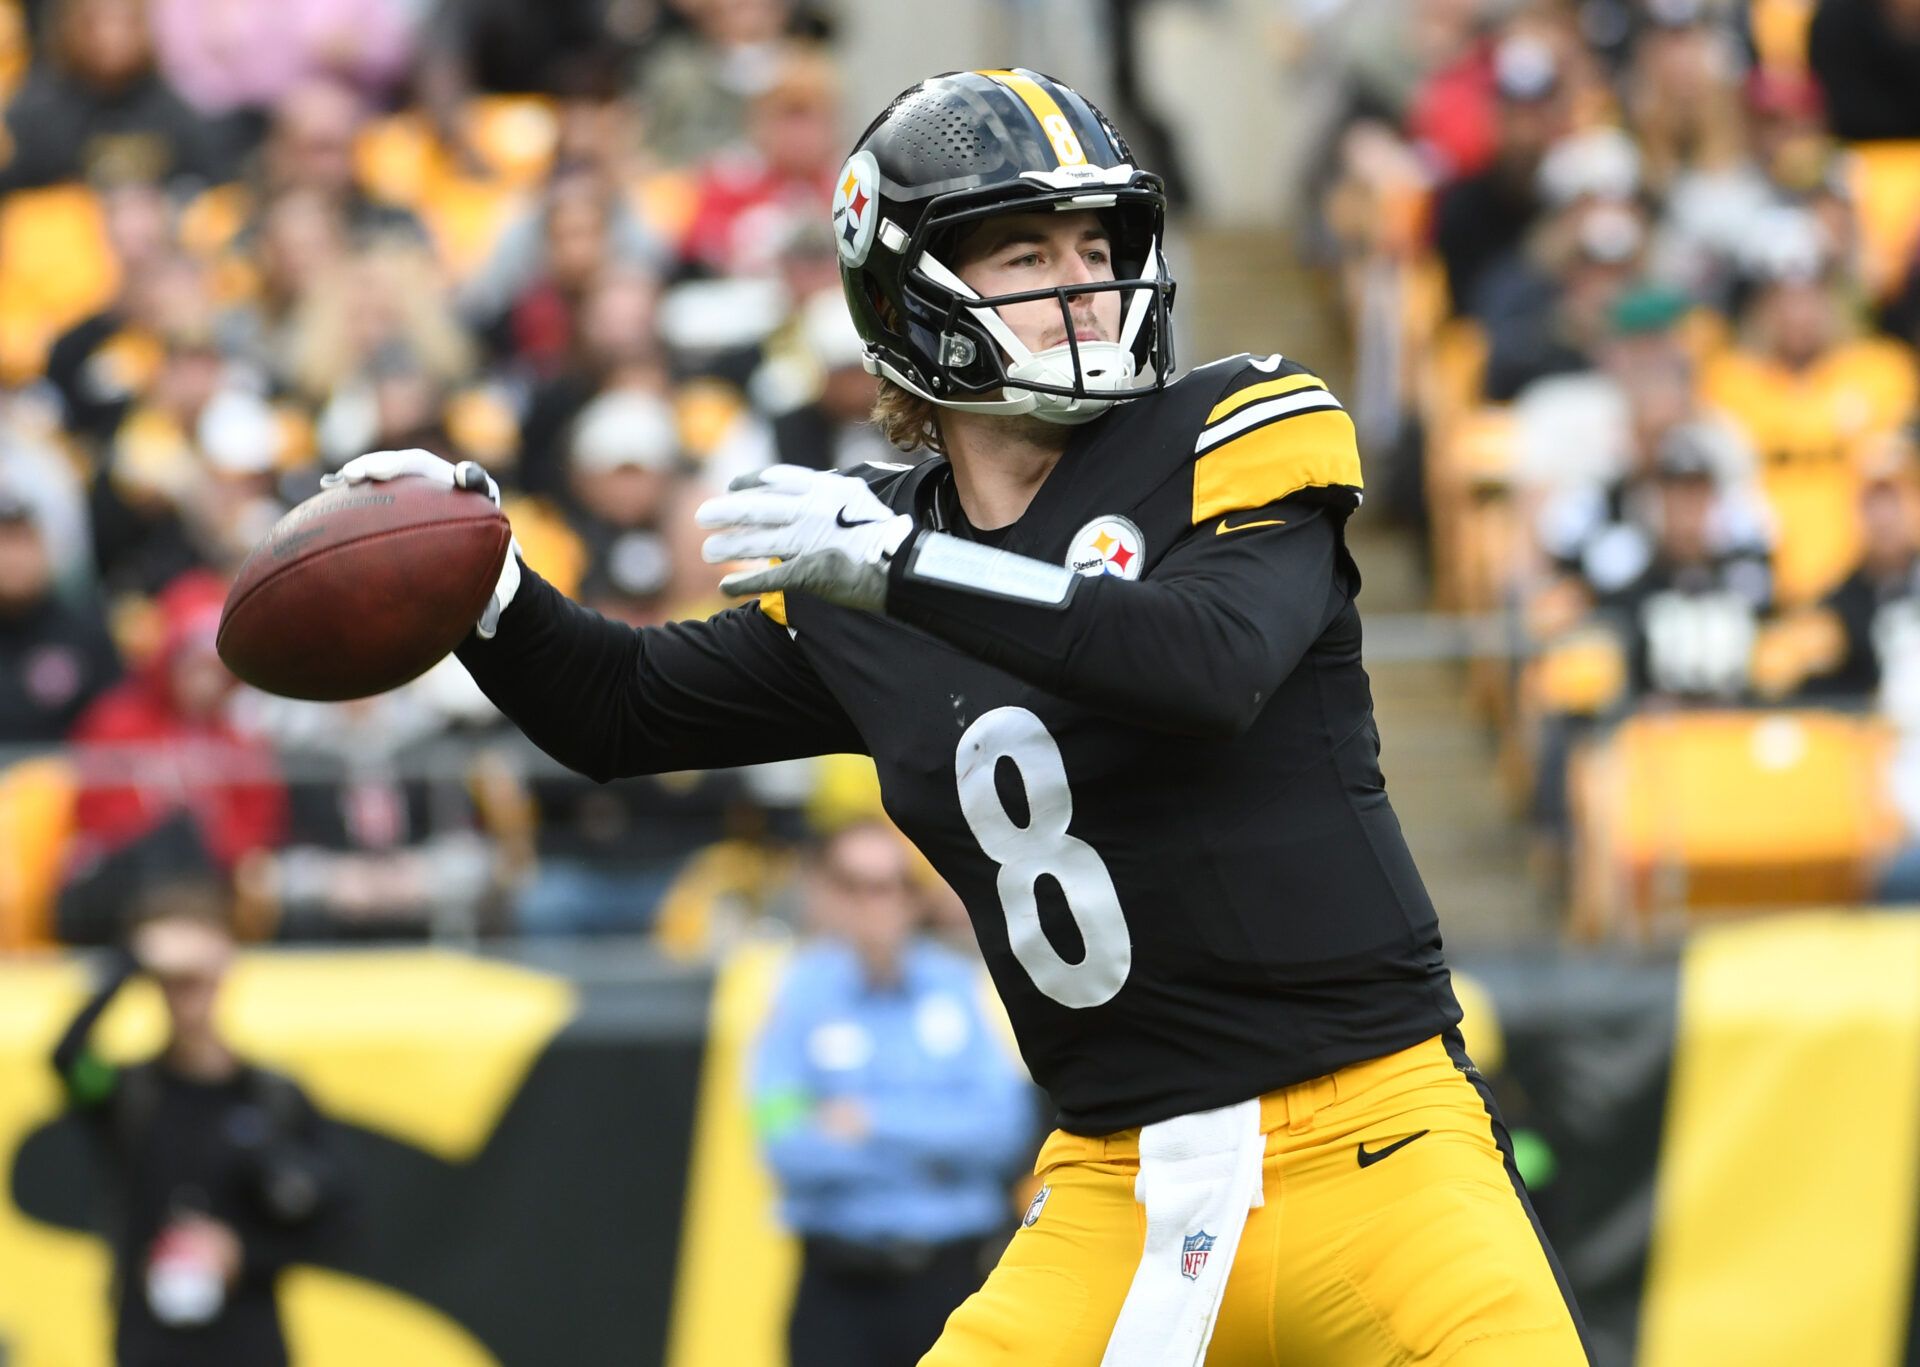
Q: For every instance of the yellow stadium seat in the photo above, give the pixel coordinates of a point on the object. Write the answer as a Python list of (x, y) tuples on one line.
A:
[(397, 158), (1681, 812), (16, 53), (36, 819), (551, 548), (56, 267), (719, 892), (465, 217), (1884, 181), (514, 135), (1779, 29), (1470, 465)]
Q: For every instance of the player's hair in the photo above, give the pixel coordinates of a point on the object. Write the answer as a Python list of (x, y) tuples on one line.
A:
[(905, 419), (183, 897)]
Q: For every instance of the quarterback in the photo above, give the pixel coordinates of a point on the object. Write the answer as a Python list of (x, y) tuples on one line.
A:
[(1103, 649)]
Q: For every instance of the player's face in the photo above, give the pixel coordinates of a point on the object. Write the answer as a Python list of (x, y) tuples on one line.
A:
[(1038, 251)]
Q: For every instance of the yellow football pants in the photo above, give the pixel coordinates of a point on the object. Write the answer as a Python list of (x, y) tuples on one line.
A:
[(1426, 1254)]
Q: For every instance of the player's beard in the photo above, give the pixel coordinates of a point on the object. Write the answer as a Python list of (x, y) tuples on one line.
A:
[(1031, 431)]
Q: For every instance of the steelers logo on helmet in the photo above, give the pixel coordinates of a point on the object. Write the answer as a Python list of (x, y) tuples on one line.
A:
[(856, 207), (1107, 545)]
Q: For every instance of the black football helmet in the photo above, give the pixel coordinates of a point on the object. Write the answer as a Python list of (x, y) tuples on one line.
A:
[(965, 146)]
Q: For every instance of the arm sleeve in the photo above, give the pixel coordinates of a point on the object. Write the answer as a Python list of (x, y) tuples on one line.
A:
[(309, 1145), (1198, 649), (804, 1158), (609, 700), (89, 1080)]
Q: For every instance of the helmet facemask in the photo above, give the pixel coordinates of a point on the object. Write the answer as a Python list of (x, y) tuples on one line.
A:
[(980, 364)]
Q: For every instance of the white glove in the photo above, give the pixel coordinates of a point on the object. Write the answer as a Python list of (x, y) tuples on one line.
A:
[(379, 465), (830, 534)]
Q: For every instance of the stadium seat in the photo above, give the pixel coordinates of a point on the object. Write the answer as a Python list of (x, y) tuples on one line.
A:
[(514, 135), (16, 53), (56, 267), (1681, 813), (36, 818), (465, 216), (1883, 179)]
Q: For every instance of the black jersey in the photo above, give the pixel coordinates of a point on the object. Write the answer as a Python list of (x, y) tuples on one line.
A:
[(1160, 801)]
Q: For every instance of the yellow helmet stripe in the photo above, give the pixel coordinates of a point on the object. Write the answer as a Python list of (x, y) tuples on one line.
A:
[(1053, 123)]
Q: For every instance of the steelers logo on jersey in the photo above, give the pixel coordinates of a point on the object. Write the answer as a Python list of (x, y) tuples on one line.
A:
[(856, 212), (1107, 545)]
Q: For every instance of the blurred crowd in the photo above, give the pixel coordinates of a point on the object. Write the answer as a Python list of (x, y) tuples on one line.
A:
[(583, 242), (1635, 289)]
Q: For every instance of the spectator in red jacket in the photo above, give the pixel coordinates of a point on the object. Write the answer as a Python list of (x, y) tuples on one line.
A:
[(167, 783)]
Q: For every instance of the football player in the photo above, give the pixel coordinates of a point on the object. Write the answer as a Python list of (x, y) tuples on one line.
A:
[(1102, 647)]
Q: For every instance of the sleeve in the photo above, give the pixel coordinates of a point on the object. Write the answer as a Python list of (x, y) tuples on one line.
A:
[(1229, 611), (804, 1158), (306, 1158), (610, 701), (90, 1080)]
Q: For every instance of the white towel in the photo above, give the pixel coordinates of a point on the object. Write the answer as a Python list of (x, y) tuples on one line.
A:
[(1199, 1175)]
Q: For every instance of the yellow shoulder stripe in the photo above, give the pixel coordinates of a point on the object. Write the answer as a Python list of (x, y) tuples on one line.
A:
[(1286, 384), (1313, 450), (775, 606)]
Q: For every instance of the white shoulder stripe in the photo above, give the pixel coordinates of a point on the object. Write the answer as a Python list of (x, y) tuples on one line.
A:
[(1254, 414)]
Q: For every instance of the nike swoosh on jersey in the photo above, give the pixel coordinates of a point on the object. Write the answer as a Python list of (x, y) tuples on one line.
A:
[(1367, 1160), (1223, 528)]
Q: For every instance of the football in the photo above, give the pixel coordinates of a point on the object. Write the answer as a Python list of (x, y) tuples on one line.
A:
[(361, 588)]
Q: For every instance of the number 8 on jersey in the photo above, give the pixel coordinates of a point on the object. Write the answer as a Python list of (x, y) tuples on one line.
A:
[(1042, 847)]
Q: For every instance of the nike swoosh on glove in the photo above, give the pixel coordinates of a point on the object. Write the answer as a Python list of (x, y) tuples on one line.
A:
[(830, 534), (381, 465)]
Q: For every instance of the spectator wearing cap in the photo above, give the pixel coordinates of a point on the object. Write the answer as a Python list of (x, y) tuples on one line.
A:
[(1485, 216), (55, 654), (167, 782), (1684, 581), (615, 346), (1866, 54), (1585, 431), (816, 391), (97, 108), (1806, 388), (1546, 308), (625, 455), (607, 856)]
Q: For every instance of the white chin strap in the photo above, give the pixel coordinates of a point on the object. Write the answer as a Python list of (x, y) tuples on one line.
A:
[(1105, 367)]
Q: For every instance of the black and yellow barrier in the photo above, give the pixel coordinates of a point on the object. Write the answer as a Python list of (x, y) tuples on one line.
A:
[(555, 1164)]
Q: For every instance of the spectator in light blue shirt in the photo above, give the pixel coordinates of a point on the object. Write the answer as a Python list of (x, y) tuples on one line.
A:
[(891, 1111)]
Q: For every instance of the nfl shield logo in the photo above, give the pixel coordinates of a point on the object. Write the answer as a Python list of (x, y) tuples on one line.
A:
[(1193, 1254)]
